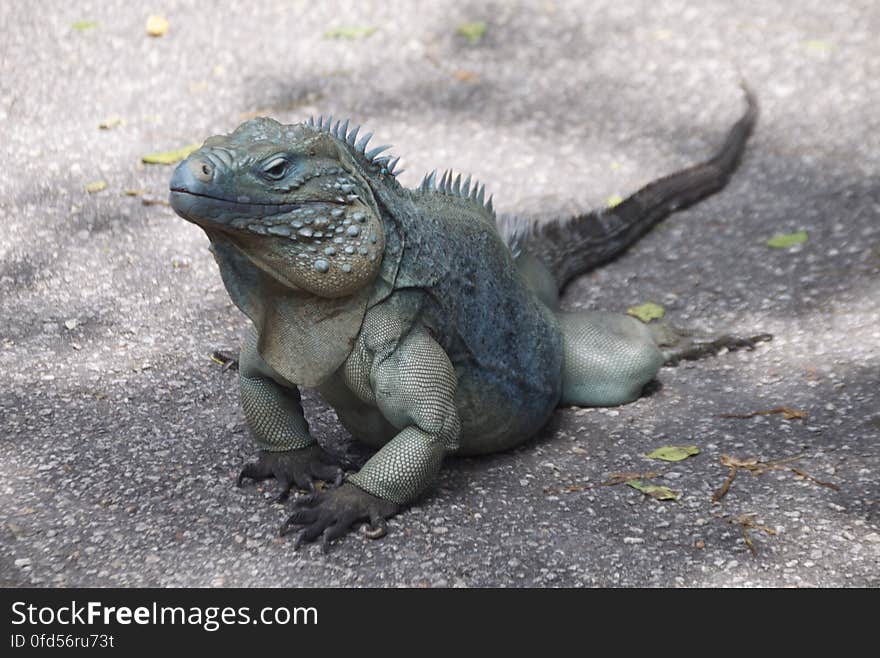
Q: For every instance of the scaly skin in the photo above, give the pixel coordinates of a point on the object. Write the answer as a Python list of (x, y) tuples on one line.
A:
[(431, 327)]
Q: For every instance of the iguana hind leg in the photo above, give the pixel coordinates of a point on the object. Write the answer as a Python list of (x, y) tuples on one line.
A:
[(607, 358)]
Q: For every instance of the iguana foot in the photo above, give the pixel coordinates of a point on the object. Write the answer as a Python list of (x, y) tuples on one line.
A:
[(330, 514), (683, 345), (293, 467)]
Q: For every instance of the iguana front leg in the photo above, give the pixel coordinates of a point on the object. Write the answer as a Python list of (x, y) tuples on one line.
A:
[(414, 385), (274, 413)]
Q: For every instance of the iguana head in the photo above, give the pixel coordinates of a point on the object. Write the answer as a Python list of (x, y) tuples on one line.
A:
[(295, 199)]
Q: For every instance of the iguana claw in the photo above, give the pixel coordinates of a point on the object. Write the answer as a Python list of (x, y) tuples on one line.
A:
[(330, 514), (691, 345), (293, 468)]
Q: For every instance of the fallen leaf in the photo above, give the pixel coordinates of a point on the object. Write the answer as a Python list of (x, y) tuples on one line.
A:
[(653, 490), (82, 26), (647, 311), (349, 32), (756, 467), (786, 240), (728, 460), (170, 157), (673, 453), (747, 522), (110, 122), (719, 493), (465, 76), (810, 478), (134, 192), (157, 26), (154, 201), (571, 488), (614, 200), (817, 45), (699, 544), (787, 413), (96, 186), (473, 32)]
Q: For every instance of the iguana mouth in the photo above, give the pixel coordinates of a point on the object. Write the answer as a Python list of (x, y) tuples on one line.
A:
[(283, 207), (196, 206), (182, 190)]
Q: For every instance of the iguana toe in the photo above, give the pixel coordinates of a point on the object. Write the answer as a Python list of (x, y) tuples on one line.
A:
[(331, 514), (298, 468)]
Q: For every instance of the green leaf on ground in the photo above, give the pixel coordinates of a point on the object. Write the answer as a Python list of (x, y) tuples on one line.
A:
[(817, 45), (82, 26), (786, 240), (170, 157), (110, 123), (349, 32), (654, 491), (647, 311), (613, 200), (473, 32), (673, 453), (96, 186)]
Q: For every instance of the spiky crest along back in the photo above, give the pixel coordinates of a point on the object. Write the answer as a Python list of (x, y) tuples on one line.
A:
[(449, 184), (383, 164)]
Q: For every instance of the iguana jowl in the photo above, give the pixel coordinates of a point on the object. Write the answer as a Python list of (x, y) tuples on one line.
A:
[(430, 326)]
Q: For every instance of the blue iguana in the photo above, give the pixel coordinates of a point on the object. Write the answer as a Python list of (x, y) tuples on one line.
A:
[(430, 325)]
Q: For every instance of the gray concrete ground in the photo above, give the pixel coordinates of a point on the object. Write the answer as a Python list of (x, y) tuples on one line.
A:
[(120, 438)]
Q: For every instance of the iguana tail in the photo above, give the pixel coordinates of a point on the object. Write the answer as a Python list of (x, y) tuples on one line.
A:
[(573, 246)]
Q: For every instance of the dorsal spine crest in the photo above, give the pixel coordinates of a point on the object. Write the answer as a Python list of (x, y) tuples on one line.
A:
[(340, 130), (455, 187)]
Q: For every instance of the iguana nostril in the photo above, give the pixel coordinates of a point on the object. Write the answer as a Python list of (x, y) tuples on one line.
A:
[(203, 170)]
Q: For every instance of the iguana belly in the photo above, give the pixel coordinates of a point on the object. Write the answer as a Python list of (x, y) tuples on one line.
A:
[(507, 388), (489, 422)]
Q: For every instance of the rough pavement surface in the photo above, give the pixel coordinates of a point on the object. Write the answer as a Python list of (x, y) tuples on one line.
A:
[(120, 439)]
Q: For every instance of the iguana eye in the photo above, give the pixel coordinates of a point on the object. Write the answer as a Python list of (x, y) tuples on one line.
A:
[(275, 169)]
